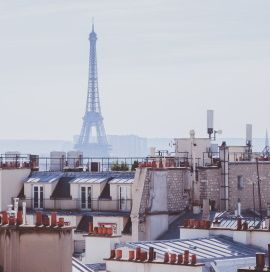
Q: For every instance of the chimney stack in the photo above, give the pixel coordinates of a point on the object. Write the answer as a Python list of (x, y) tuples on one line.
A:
[(53, 219), (151, 254), (38, 218), (24, 213), (260, 261)]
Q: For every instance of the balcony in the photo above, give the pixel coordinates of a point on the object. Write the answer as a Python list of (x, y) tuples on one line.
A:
[(96, 205)]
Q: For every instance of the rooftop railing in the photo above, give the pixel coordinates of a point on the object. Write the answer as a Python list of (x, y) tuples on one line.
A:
[(104, 164), (96, 205)]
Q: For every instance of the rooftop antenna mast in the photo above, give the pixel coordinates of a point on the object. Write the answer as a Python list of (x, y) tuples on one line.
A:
[(266, 150), (259, 189)]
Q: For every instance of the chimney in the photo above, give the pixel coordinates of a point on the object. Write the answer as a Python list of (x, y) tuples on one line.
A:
[(118, 254), (138, 253), (61, 222), (180, 259), (268, 255), (186, 257), (24, 213), (38, 218), (166, 257), (53, 219), (239, 207), (245, 226), (131, 255), (90, 228), (239, 223), (151, 254), (4, 218), (193, 259), (112, 254), (173, 258), (143, 256), (45, 220), (260, 261), (19, 218), (16, 204)]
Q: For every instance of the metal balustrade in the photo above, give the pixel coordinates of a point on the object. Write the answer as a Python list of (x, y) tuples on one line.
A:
[(97, 205)]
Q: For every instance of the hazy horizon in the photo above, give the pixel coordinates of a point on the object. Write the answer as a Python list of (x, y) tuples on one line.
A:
[(161, 65)]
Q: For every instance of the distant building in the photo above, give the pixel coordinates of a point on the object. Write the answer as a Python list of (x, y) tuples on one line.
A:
[(127, 146)]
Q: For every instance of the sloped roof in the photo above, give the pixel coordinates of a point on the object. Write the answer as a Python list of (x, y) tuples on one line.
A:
[(206, 249)]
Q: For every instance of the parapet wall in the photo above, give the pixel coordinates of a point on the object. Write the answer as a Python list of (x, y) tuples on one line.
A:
[(32, 249)]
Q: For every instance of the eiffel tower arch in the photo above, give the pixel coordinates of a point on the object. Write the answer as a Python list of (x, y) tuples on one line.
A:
[(93, 140)]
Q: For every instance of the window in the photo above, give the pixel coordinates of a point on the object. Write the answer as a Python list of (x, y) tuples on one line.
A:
[(86, 197), (38, 197), (240, 182), (124, 198)]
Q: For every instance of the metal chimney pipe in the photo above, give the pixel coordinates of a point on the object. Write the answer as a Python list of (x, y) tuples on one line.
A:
[(239, 223), (24, 213), (260, 261), (239, 207), (268, 255), (16, 204), (151, 254)]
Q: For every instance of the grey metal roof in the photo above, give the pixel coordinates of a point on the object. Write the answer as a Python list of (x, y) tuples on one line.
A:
[(225, 220), (90, 180), (97, 267), (81, 177), (121, 181), (206, 249), (47, 177), (77, 266)]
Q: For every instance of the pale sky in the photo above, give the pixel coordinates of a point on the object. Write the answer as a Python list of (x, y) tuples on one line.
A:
[(161, 65)]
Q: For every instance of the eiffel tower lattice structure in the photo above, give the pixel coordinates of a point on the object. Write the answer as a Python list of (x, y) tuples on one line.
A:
[(93, 140)]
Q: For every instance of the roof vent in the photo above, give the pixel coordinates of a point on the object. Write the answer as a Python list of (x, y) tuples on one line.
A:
[(192, 247)]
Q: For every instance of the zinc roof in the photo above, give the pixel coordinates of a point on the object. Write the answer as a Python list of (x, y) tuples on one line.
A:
[(206, 249), (81, 177)]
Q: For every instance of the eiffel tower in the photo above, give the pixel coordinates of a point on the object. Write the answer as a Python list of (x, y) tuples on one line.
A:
[(93, 140)]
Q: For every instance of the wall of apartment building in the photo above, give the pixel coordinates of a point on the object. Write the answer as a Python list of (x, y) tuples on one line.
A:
[(34, 249), (96, 189), (163, 193), (242, 175), (11, 183), (48, 189), (244, 192), (123, 266), (210, 182), (114, 193)]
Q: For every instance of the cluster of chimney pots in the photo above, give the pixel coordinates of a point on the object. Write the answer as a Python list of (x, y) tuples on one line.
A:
[(197, 224), (101, 231), (41, 219), (142, 256), (159, 164)]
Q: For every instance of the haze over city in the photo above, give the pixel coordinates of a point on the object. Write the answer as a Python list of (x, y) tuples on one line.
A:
[(158, 64)]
